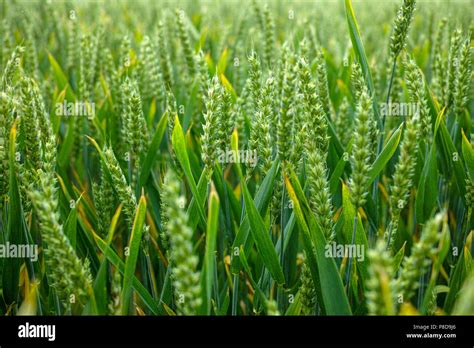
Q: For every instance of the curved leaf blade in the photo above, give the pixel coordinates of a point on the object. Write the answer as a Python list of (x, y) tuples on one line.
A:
[(385, 156)]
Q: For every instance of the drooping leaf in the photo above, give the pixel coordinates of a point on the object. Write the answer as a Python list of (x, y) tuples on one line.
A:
[(385, 156), (61, 79)]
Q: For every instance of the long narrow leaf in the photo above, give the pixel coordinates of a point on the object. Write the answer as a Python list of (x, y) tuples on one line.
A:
[(179, 146), (133, 249)]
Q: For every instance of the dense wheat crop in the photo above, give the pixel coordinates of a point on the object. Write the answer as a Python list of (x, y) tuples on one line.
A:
[(236, 158)]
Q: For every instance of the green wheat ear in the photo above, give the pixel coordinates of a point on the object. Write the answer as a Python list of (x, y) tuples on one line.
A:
[(109, 70), (85, 53), (165, 61), (151, 78), (307, 291), (417, 263), (184, 262), (287, 110), (258, 14), (269, 36), (316, 147), (31, 65), (209, 138), (380, 297), (315, 120), (69, 275), (255, 76), (453, 56), (401, 26), (320, 196), (72, 45), (124, 55), (227, 121), (439, 61), (403, 176), (12, 66), (137, 132), (115, 291), (416, 91), (104, 202), (5, 125), (463, 78), (469, 196), (344, 123), (262, 131), (322, 83), (201, 79), (361, 151), (357, 81), (124, 192), (29, 125), (260, 140), (41, 113), (185, 42), (6, 42), (29, 139)]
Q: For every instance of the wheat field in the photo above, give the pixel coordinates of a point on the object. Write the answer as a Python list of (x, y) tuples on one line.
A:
[(236, 158)]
